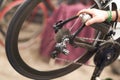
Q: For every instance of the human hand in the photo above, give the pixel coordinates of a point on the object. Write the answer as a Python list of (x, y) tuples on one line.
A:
[(98, 16)]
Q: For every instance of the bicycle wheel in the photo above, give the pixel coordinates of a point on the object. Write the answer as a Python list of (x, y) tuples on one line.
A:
[(6, 15), (14, 55), (8, 12)]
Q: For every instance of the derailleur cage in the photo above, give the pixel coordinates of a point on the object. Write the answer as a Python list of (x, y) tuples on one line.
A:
[(61, 48)]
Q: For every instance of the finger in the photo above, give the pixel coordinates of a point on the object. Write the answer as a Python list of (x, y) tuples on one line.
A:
[(80, 12), (88, 11), (91, 21)]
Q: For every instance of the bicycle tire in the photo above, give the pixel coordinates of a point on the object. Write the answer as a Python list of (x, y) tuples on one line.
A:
[(13, 53)]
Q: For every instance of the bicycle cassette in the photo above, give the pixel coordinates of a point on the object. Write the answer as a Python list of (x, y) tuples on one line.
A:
[(61, 34)]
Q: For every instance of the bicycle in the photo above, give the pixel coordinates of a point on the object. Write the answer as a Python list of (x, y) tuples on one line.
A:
[(7, 12), (96, 46)]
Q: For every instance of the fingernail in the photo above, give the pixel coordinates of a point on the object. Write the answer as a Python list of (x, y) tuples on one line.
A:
[(86, 24)]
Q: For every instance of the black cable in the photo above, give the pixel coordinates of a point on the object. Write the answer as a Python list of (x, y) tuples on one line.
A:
[(116, 18)]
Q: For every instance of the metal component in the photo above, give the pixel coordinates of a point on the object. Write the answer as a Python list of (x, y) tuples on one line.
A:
[(54, 54), (85, 46), (85, 17), (76, 33), (73, 62), (62, 33), (65, 51), (102, 4), (66, 39), (111, 32), (61, 47), (91, 39), (109, 56)]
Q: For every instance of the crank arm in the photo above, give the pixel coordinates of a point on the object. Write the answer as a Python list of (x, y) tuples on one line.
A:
[(97, 72)]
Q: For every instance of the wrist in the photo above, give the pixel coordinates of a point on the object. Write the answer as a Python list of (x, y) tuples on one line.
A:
[(106, 15), (109, 18), (113, 15)]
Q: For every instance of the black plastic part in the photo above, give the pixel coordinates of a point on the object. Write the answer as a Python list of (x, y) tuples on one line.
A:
[(54, 54), (78, 31), (97, 72), (106, 55), (111, 33), (103, 27), (61, 23), (108, 79)]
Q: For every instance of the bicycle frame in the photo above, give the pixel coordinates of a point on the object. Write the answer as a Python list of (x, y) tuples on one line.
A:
[(60, 46)]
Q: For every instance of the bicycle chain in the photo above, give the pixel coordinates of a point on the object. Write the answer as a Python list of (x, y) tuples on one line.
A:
[(73, 62), (91, 39)]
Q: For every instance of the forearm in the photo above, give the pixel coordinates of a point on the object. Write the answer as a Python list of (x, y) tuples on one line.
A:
[(119, 15), (114, 16)]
